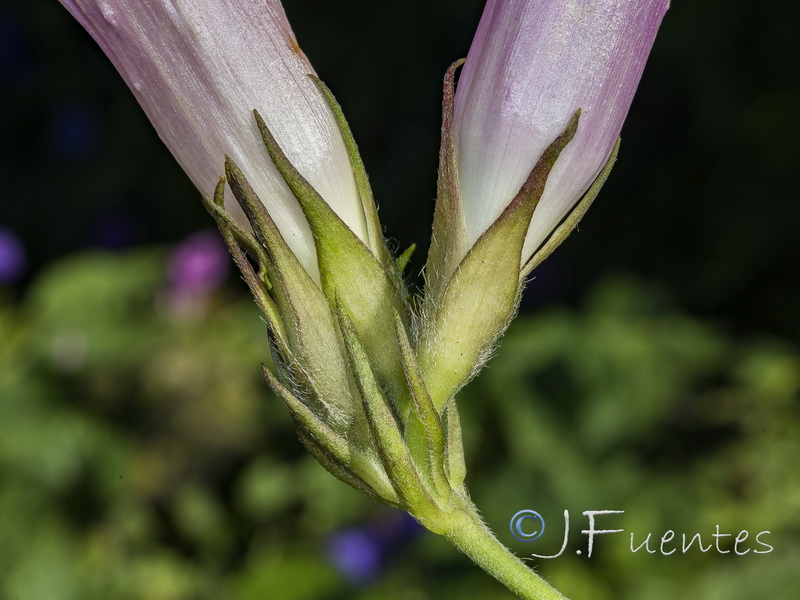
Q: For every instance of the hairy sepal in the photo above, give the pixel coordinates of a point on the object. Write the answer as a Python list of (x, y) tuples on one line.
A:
[(310, 327), (461, 323), (332, 450), (573, 218), (351, 274), (449, 227)]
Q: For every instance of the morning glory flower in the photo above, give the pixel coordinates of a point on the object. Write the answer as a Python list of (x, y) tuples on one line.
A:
[(199, 68), (532, 64)]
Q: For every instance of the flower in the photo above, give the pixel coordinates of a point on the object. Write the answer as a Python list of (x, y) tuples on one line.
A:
[(12, 257), (199, 264), (361, 553), (199, 68), (532, 65), (194, 270), (356, 554)]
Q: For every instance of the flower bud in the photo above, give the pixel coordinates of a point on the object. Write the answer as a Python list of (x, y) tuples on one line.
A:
[(532, 64), (199, 69), (532, 125)]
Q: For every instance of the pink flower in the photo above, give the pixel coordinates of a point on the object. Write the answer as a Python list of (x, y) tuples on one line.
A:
[(199, 264), (199, 68), (532, 64)]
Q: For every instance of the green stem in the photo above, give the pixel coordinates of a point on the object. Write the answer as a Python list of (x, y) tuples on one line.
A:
[(470, 535)]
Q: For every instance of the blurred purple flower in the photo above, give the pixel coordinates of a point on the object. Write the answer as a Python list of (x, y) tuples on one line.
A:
[(356, 554), (395, 528), (360, 553), (199, 264), (12, 257)]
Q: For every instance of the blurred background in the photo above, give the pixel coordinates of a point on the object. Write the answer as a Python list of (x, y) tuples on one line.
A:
[(655, 367)]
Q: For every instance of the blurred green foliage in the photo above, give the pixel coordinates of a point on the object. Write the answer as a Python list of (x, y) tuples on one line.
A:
[(141, 456)]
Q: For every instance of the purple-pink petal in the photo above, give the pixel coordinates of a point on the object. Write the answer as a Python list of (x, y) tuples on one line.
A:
[(199, 68), (532, 64)]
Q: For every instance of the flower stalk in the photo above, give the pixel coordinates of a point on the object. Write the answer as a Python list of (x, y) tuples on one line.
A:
[(469, 534)]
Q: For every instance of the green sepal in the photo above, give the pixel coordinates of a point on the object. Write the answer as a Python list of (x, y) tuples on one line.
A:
[(424, 430), (395, 455), (310, 325), (258, 284), (404, 258), (455, 465), (331, 449), (571, 222), (335, 444), (353, 427), (342, 473), (449, 235), (350, 272), (460, 327), (216, 207), (374, 229)]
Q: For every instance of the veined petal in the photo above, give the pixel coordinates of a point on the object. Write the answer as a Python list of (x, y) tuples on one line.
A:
[(532, 64), (199, 68)]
